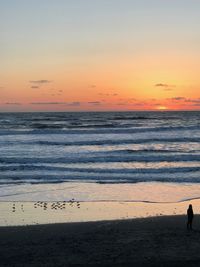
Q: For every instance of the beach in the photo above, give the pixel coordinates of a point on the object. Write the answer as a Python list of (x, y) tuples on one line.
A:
[(65, 233), (154, 241), (104, 188)]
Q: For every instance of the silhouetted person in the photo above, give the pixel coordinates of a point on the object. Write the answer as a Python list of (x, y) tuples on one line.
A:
[(190, 215)]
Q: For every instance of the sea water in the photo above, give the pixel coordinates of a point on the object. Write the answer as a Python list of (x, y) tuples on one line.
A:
[(99, 155)]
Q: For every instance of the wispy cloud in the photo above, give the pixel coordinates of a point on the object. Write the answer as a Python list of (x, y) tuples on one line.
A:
[(165, 86), (196, 105), (108, 94), (139, 104), (96, 103), (193, 100), (35, 87), (161, 85), (177, 98), (122, 103), (92, 86), (73, 104), (47, 103), (13, 103), (40, 82), (102, 94)]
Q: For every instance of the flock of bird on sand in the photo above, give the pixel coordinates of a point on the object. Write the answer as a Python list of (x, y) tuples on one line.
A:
[(59, 205)]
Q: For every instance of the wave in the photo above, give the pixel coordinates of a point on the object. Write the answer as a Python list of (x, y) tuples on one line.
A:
[(117, 142), (108, 178), (93, 129), (104, 141), (92, 159), (99, 170), (150, 150)]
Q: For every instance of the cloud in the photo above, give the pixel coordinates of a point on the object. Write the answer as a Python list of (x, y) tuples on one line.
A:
[(107, 94), (121, 104), (196, 105), (158, 104), (178, 98), (133, 104), (161, 85), (47, 103), (96, 103), (102, 94), (197, 100), (92, 86), (181, 98), (13, 103), (74, 104), (165, 86), (35, 87), (40, 82), (139, 104)]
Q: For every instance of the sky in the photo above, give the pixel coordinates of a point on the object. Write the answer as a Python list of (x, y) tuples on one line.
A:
[(82, 55)]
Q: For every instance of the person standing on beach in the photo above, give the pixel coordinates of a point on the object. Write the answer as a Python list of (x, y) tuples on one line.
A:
[(190, 215)]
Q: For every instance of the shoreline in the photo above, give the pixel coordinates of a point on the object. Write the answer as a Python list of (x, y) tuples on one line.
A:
[(153, 241), (86, 191)]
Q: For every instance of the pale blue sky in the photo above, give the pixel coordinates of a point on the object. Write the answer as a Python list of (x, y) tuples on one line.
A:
[(35, 24)]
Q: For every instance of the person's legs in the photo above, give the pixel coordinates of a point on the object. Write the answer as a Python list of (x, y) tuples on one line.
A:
[(191, 224)]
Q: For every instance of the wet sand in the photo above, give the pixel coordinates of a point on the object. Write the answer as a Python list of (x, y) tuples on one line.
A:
[(155, 241), (41, 212)]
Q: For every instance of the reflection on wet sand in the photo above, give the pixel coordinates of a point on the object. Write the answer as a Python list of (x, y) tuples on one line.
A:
[(41, 212)]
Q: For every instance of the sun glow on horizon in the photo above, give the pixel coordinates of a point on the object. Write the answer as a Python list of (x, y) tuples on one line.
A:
[(162, 108)]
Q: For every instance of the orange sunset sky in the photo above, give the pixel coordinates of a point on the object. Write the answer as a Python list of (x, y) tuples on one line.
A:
[(99, 55)]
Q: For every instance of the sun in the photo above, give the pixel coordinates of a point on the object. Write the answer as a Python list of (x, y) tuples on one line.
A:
[(162, 108)]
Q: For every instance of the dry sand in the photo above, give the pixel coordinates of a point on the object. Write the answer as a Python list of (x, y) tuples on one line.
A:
[(155, 241)]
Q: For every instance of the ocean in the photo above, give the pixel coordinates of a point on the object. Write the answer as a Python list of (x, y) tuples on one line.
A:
[(104, 148)]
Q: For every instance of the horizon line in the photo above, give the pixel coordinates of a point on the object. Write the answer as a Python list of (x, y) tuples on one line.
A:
[(101, 111)]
